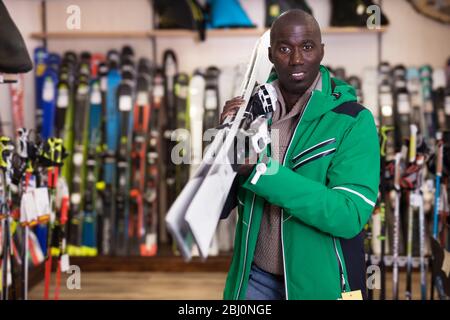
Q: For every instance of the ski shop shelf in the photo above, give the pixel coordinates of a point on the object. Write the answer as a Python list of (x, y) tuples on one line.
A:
[(151, 264), (402, 261), (185, 33), (164, 261), (89, 34)]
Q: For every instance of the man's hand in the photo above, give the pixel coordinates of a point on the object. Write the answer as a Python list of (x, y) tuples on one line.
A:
[(246, 168), (231, 108)]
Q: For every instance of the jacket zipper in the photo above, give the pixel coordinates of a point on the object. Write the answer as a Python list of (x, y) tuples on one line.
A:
[(341, 269), (282, 211), (246, 247)]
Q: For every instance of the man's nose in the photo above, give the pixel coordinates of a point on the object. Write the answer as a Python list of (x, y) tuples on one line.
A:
[(297, 57)]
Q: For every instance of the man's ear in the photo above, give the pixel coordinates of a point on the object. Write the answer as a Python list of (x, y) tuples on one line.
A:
[(269, 51), (323, 51)]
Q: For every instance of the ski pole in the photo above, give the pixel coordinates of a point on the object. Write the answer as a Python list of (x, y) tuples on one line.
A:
[(439, 162), (384, 131), (6, 149), (437, 194), (445, 223), (52, 156), (396, 228), (419, 199), (62, 240), (23, 152), (411, 160)]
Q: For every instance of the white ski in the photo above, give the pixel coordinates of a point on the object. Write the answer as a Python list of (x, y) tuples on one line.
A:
[(196, 212)]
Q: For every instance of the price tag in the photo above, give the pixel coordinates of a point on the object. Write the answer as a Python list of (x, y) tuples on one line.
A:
[(386, 110), (360, 9), (416, 200), (150, 240), (158, 91), (78, 159), (103, 84), (96, 96), (63, 98), (210, 100), (65, 264), (403, 104), (48, 92), (352, 295), (142, 98), (75, 198), (41, 201), (125, 103), (27, 209)]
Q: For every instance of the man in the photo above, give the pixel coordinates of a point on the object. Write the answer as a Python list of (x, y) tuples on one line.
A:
[(299, 226)]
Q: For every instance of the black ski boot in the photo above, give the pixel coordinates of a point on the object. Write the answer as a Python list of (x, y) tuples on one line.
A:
[(352, 13), (276, 7)]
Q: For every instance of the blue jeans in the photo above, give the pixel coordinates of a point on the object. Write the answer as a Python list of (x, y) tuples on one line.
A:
[(264, 286)]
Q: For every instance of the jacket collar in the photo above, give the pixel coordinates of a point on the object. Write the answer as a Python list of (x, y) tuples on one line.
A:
[(334, 93)]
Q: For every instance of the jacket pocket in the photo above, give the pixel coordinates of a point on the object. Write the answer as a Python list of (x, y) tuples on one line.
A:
[(314, 157), (313, 148)]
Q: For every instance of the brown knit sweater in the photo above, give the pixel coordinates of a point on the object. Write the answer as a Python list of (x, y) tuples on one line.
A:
[(268, 252)]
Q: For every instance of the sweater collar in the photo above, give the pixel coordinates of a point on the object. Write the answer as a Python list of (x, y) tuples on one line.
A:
[(281, 113)]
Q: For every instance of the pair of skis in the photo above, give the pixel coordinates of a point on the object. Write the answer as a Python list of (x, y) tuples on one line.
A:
[(109, 160), (187, 219), (125, 103), (144, 166)]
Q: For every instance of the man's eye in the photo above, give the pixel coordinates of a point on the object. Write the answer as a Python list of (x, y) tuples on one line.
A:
[(307, 47), (285, 49)]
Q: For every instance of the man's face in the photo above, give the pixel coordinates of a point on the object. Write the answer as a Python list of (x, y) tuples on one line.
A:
[(296, 52)]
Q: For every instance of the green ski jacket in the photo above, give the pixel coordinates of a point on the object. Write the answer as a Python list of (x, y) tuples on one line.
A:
[(327, 186)]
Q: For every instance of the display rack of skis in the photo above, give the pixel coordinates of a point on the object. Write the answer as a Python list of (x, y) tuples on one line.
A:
[(106, 112), (412, 210), (122, 120), (31, 196)]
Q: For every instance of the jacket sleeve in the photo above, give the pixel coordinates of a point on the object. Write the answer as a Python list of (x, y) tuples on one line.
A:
[(341, 207), (232, 199)]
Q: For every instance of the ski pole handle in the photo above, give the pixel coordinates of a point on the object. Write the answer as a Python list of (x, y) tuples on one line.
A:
[(412, 143), (384, 130)]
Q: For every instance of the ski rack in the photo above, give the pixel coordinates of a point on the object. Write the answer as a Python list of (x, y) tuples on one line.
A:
[(389, 260)]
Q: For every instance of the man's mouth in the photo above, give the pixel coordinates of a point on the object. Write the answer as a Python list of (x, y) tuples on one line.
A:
[(298, 75)]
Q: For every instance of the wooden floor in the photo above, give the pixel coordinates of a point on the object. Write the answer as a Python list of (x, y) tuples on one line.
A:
[(142, 285), (166, 285)]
